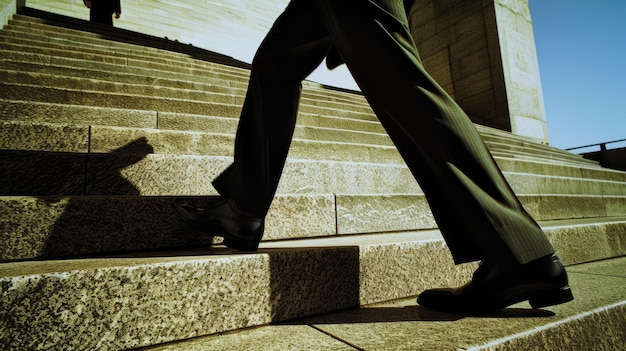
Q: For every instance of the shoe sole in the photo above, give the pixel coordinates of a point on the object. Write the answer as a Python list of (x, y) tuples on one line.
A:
[(537, 299), (551, 297)]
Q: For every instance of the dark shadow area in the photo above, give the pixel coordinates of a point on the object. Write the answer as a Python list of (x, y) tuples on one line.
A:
[(412, 313), (312, 281), (72, 205), (41, 173), (123, 220), (613, 158)]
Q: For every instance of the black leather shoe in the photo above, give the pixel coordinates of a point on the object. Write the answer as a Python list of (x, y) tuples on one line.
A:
[(543, 282), (239, 231)]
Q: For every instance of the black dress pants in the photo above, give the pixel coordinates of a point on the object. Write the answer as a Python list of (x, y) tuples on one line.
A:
[(477, 212), (102, 11)]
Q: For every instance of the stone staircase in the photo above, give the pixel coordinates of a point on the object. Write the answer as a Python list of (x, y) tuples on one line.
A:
[(98, 137)]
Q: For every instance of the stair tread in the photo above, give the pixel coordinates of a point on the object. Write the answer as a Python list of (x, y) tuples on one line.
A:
[(236, 286), (404, 325), (108, 138), (217, 253)]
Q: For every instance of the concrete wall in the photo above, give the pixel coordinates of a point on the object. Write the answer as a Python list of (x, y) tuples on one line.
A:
[(7, 10)]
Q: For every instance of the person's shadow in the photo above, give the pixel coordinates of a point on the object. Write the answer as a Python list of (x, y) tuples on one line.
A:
[(114, 217), (77, 204), (416, 313)]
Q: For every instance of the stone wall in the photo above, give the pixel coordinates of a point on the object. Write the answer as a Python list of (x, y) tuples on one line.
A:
[(7, 10), (521, 69), (483, 53)]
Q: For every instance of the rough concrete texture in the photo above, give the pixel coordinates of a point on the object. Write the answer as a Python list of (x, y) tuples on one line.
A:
[(576, 242), (395, 270), (42, 173), (70, 226), (382, 213), (593, 321), (74, 114), (304, 176), (142, 299), (117, 307), (110, 174), (48, 226), (43, 137), (119, 303), (49, 94), (548, 207), (115, 140)]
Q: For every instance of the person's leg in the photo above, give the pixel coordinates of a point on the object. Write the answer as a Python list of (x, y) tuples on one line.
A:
[(293, 48), (476, 210), (100, 14)]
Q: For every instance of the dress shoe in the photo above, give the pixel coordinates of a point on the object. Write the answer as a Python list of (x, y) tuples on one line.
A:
[(241, 232), (543, 282)]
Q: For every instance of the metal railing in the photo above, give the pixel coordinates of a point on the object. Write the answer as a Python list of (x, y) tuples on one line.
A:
[(602, 145)]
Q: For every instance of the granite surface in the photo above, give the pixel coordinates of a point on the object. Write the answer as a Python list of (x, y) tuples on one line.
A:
[(70, 226), (592, 321)]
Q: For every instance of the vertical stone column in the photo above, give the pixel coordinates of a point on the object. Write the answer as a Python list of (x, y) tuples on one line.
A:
[(7, 9), (483, 53)]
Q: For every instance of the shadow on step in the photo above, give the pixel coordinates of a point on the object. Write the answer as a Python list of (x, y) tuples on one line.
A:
[(79, 204), (46, 173), (411, 313)]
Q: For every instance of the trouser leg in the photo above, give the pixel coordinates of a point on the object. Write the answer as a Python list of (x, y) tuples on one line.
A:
[(475, 208), (295, 45), (99, 15)]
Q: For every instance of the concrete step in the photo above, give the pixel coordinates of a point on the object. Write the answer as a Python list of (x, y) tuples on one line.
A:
[(553, 168), (86, 34), (149, 98), (310, 143), (54, 113), (536, 150), (86, 115), (54, 226), (194, 93), (540, 158), (22, 27), (224, 95), (593, 321), (159, 158), (505, 138), (101, 139), (52, 43), (54, 34), (121, 302), (50, 39), (113, 82), (41, 173)]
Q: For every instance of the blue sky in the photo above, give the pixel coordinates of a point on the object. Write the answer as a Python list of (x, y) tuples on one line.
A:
[(581, 46)]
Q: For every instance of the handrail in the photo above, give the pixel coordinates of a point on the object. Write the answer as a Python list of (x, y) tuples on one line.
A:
[(602, 145)]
